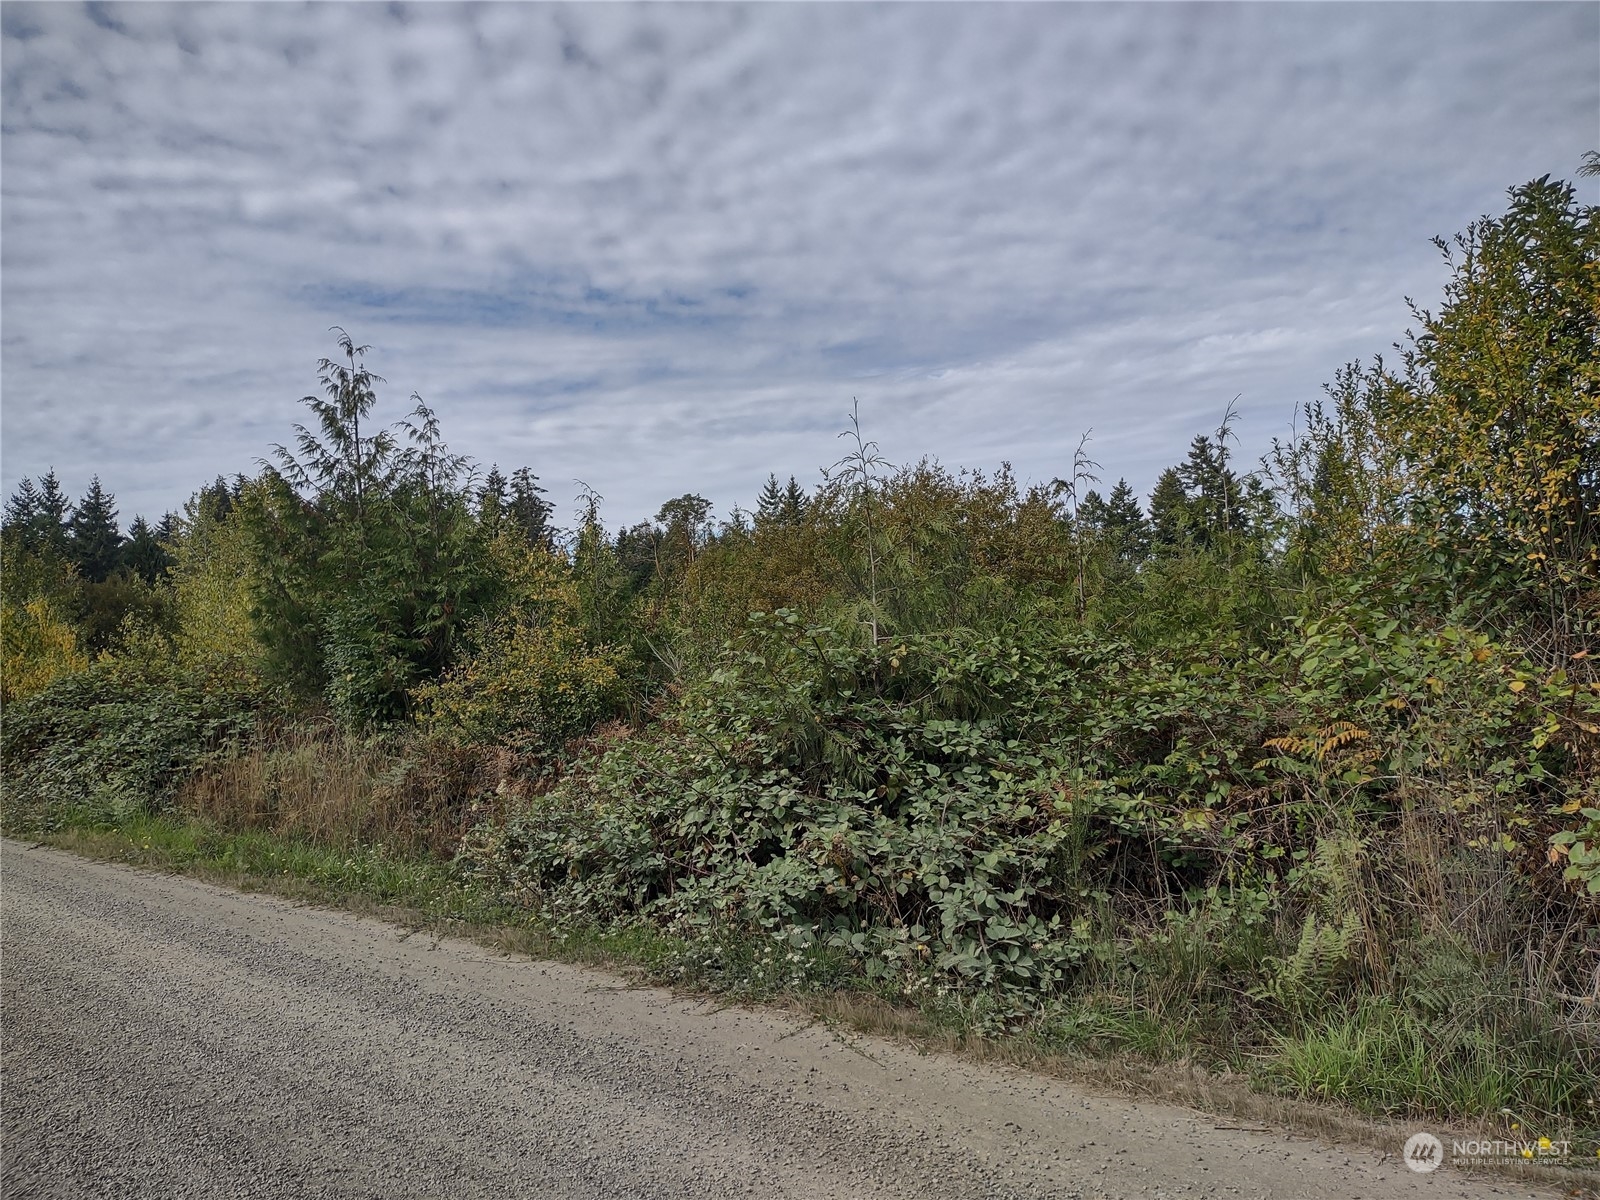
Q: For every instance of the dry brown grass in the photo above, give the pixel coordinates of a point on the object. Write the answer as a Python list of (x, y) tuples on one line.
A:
[(323, 787)]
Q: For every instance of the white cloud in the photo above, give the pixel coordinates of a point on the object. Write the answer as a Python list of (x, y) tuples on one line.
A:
[(660, 248)]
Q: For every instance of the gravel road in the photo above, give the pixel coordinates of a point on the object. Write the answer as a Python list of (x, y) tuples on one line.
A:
[(166, 1038)]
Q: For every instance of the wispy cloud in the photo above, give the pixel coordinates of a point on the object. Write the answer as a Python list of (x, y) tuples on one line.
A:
[(660, 248)]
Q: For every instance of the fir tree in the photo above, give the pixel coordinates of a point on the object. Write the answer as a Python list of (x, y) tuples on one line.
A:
[(144, 554), (1169, 511), (785, 506), (22, 510), (527, 509), (96, 541), (1124, 524), (793, 508), (1214, 491), (492, 500), (54, 512), (215, 502), (769, 504)]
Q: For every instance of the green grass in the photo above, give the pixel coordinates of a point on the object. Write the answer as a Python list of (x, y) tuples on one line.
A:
[(1381, 1058)]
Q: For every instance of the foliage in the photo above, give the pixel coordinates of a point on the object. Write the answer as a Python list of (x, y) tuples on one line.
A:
[(1294, 769), (535, 680), (112, 739), (39, 648), (370, 562), (1498, 411)]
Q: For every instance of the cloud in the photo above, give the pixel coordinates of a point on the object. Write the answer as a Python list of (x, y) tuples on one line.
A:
[(661, 248)]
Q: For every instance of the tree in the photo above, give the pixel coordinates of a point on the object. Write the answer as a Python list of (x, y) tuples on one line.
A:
[(769, 504), (1123, 524), (493, 497), (144, 555), (1216, 508), (22, 510), (780, 506), (369, 562), (792, 508), (1170, 518), (685, 524), (1497, 415), (95, 545), (54, 511), (527, 509)]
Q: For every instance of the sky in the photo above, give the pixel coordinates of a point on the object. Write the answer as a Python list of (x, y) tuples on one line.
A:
[(662, 249)]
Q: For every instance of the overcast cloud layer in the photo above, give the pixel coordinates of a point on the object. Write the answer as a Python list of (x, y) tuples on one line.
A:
[(660, 249)]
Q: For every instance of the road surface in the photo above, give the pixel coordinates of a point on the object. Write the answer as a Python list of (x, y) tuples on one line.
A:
[(167, 1038)]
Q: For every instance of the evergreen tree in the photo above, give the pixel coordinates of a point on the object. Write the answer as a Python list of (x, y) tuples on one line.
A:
[(493, 498), (785, 506), (1124, 524), (167, 530), (1169, 511), (1093, 511), (96, 541), (1215, 493), (527, 509), (216, 501), (54, 511), (793, 508), (144, 555), (22, 509), (635, 554), (769, 504)]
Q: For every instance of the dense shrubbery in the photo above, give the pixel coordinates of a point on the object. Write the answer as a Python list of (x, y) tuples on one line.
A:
[(1300, 767)]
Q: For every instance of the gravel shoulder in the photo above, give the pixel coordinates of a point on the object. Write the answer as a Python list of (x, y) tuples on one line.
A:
[(167, 1038)]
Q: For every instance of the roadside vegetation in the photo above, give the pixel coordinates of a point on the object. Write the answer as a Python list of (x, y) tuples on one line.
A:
[(1292, 771)]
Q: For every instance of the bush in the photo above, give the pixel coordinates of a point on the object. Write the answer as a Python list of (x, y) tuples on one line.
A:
[(533, 686), (111, 740), (39, 648)]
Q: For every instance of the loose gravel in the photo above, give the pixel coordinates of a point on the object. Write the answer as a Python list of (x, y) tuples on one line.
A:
[(166, 1038)]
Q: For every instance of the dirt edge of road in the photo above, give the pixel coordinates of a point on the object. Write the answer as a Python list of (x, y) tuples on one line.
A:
[(1227, 1097)]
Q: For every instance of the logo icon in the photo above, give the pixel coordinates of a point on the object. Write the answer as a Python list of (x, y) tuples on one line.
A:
[(1424, 1153)]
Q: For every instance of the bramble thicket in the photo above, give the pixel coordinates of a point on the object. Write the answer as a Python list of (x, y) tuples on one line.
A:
[(1293, 770)]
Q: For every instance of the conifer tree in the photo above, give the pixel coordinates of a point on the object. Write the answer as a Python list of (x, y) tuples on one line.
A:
[(1125, 525), (144, 554), (1169, 511), (22, 510), (493, 498), (527, 509), (769, 504), (95, 545), (50, 521), (794, 504)]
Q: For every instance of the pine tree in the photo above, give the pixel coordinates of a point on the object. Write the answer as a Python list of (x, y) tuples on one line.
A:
[(1215, 492), (492, 500), (769, 504), (794, 504), (96, 541), (22, 510), (54, 512), (527, 510), (1169, 511), (144, 554), (1125, 525)]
